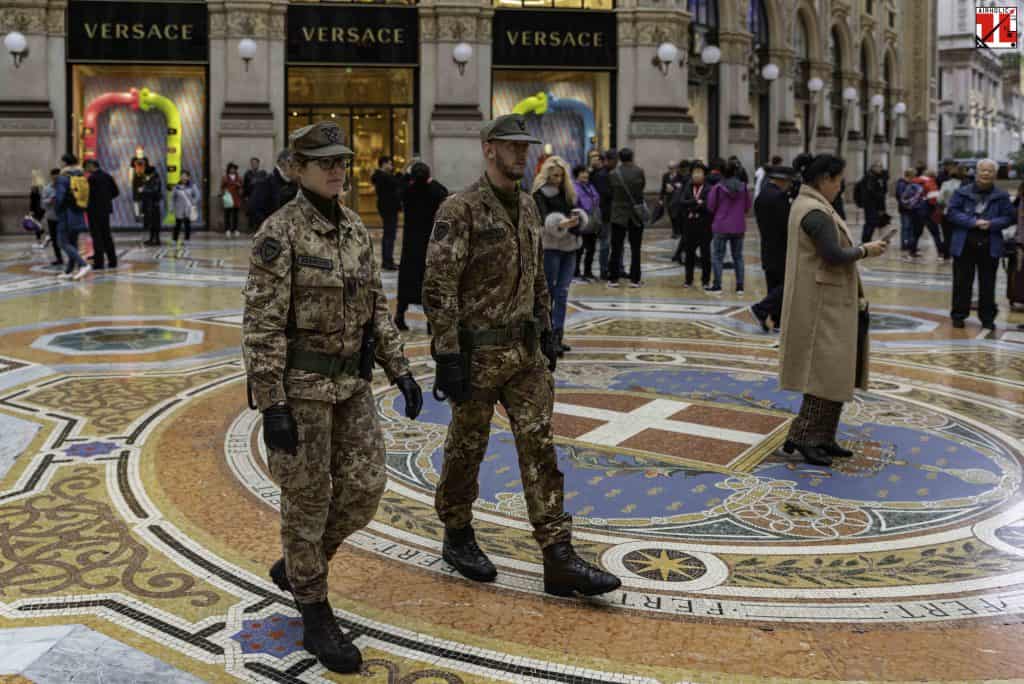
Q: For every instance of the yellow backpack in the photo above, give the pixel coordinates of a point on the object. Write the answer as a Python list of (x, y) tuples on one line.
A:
[(80, 191)]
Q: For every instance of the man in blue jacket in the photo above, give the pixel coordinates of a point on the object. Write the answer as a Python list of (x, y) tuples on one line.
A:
[(70, 219), (979, 212)]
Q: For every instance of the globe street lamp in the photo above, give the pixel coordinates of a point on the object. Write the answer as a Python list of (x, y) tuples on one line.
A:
[(898, 110), (877, 100), (664, 56), (815, 86), (461, 54), (17, 45), (247, 50), (849, 97)]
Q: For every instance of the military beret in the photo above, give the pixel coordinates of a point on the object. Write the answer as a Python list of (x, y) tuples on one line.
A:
[(511, 127), (781, 172), (323, 139)]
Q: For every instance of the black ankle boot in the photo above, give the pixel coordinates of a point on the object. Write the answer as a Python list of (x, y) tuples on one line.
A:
[(558, 344), (322, 637), (836, 451), (400, 323), (566, 574), (460, 550), (280, 576), (814, 455), (563, 346)]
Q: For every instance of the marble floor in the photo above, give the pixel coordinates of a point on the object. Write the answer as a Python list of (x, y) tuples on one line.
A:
[(137, 516)]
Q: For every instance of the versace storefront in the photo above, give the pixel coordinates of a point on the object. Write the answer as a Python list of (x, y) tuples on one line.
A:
[(357, 65)]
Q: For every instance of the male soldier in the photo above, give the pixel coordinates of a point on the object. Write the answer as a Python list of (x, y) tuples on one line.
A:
[(487, 302), (314, 311)]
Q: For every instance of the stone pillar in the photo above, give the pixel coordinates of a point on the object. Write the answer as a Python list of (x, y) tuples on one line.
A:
[(853, 151), (787, 139), (739, 133), (33, 104), (660, 129), (454, 105), (246, 105), (825, 136)]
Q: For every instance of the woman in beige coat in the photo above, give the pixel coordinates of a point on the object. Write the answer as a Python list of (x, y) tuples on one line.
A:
[(820, 356)]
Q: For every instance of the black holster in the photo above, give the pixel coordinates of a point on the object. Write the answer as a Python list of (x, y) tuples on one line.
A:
[(531, 336), (366, 352)]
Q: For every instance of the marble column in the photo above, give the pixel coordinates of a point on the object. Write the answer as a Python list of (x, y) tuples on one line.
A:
[(453, 105), (246, 104), (826, 135), (853, 151), (33, 104), (739, 133), (653, 113), (787, 140)]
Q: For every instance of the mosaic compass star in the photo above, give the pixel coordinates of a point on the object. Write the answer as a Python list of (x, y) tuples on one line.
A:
[(118, 340), (666, 565)]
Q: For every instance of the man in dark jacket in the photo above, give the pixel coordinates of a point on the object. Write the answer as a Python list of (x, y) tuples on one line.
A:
[(771, 209), (102, 192), (979, 212), (152, 195), (671, 181), (627, 182), (602, 184), (870, 196), (282, 188), (389, 200)]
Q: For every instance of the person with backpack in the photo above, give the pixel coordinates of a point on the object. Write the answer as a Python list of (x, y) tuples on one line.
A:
[(921, 198), (979, 212), (49, 201), (152, 196), (71, 200), (102, 192), (954, 179), (869, 195), (185, 202)]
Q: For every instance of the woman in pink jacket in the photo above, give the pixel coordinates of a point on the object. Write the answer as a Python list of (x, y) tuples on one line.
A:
[(729, 202)]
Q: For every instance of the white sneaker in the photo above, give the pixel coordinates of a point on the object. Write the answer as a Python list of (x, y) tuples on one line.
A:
[(82, 272), (612, 284), (65, 276), (640, 284)]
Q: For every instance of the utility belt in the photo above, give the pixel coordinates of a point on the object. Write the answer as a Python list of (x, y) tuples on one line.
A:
[(329, 365), (526, 331)]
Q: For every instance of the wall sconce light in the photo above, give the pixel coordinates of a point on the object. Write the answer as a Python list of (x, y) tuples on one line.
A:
[(17, 45), (899, 108), (664, 56), (247, 50), (711, 54), (877, 100), (815, 85), (461, 54), (770, 71), (849, 94)]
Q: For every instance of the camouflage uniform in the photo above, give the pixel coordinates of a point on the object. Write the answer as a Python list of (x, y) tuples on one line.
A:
[(484, 272), (312, 287)]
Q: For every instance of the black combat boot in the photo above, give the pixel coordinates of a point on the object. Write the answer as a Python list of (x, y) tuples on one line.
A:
[(462, 553), (280, 576), (400, 322), (562, 347), (836, 451), (322, 637), (565, 573)]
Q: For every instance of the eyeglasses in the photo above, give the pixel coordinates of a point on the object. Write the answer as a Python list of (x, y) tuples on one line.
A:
[(330, 163)]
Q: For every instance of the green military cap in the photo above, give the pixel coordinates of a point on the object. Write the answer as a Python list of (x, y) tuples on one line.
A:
[(511, 127), (323, 139)]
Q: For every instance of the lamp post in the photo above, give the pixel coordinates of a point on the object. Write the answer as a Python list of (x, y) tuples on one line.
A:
[(247, 50), (815, 86), (877, 100), (461, 54), (17, 45), (849, 97), (664, 56)]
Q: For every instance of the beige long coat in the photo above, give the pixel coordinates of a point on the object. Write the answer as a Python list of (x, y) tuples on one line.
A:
[(818, 353)]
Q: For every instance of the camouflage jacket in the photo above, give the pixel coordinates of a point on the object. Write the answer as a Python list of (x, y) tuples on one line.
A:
[(312, 287), (482, 271)]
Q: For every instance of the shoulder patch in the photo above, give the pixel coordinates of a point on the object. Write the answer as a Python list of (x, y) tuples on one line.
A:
[(270, 249), (441, 229)]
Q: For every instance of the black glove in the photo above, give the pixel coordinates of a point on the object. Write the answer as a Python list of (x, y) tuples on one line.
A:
[(279, 429), (412, 393), (549, 347), (575, 230), (451, 378)]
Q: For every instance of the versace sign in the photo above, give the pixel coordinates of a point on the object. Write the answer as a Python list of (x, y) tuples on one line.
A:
[(353, 34), (137, 31), (555, 39)]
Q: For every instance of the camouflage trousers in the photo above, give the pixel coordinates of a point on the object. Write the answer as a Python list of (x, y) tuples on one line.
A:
[(817, 422), (330, 488), (523, 385)]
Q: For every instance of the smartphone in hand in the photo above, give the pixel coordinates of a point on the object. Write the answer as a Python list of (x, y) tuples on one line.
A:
[(890, 234)]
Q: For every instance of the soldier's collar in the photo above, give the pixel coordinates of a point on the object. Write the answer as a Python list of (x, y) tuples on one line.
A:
[(489, 194), (317, 220)]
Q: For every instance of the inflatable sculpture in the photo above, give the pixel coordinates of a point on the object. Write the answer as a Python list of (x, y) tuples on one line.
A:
[(542, 103)]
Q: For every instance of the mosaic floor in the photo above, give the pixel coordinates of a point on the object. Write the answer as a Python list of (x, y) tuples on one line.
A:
[(137, 517)]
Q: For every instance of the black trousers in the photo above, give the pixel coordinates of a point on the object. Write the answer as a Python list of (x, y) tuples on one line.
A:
[(103, 249), (585, 256), (976, 257), (693, 240), (771, 305), (922, 222), (182, 223), (870, 223), (52, 226), (389, 221), (256, 219), (619, 234), (231, 219), (151, 220)]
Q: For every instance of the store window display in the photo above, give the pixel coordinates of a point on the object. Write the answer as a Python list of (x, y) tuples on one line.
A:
[(122, 114)]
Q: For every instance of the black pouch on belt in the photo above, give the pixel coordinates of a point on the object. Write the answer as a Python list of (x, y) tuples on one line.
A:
[(531, 332), (366, 351)]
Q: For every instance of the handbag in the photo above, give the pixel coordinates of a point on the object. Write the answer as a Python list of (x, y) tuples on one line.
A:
[(193, 213), (641, 212), (229, 201), (863, 330)]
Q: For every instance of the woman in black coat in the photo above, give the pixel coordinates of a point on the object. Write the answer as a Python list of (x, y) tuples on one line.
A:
[(688, 206), (420, 199)]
